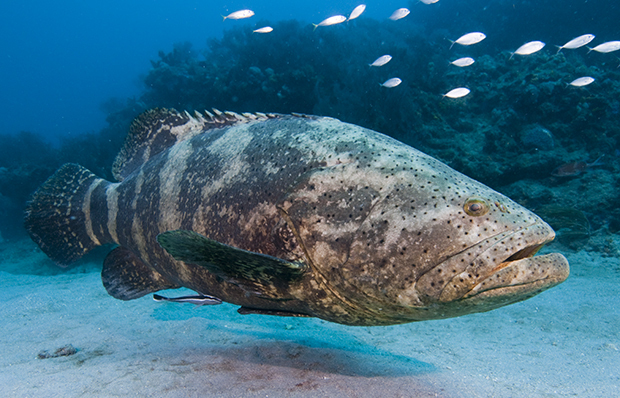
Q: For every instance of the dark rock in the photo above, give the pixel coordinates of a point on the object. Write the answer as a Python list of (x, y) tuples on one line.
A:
[(64, 351), (536, 136)]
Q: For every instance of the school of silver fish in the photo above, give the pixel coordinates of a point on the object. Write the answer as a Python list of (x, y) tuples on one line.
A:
[(467, 39)]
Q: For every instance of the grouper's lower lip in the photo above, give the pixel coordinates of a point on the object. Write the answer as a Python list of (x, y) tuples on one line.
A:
[(519, 279), (506, 260)]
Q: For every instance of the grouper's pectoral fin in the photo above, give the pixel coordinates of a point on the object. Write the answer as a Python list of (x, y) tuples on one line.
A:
[(126, 277), (251, 271)]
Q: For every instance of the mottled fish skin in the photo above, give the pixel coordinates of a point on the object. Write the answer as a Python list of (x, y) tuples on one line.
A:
[(385, 230)]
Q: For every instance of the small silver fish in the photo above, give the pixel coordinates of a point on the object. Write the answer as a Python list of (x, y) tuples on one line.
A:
[(382, 60), (528, 48), (607, 47), (266, 29), (200, 299), (241, 14), (577, 42), (336, 19), (469, 39), (429, 1), (357, 11), (582, 81), (463, 62), (457, 92), (393, 82), (399, 14)]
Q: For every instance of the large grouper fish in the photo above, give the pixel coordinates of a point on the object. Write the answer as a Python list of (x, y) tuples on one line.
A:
[(295, 215)]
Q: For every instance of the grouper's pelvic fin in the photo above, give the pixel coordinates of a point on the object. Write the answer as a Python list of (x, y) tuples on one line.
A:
[(58, 215), (251, 271)]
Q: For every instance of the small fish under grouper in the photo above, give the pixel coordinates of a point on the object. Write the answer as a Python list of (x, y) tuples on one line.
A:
[(295, 215)]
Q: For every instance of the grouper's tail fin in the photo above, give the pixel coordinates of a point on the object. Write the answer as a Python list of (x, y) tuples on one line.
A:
[(58, 216)]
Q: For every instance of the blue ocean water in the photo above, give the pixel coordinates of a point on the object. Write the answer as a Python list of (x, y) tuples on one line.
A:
[(60, 61), (75, 74)]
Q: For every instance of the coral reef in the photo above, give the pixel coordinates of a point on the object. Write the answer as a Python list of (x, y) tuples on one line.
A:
[(519, 123)]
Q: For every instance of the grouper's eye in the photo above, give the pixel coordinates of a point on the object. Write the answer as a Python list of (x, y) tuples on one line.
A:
[(476, 207)]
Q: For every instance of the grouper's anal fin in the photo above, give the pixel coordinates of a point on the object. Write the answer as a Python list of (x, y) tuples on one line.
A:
[(251, 271), (126, 277)]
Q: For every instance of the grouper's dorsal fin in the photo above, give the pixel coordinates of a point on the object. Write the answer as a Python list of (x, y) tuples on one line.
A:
[(252, 271), (158, 129)]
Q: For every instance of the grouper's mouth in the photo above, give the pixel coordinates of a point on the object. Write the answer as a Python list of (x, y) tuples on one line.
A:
[(525, 276), (529, 251), (500, 270), (520, 275)]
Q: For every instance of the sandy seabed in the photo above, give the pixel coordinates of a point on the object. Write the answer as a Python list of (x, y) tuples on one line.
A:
[(563, 343)]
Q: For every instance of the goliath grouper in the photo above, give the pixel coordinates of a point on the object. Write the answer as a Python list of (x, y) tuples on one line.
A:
[(295, 215)]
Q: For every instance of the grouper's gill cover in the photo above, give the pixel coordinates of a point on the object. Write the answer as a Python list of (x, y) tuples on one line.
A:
[(295, 215)]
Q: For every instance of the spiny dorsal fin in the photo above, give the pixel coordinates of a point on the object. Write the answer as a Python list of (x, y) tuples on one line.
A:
[(158, 129)]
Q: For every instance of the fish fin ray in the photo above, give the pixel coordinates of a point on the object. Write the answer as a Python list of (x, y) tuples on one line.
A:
[(156, 130), (54, 217), (126, 277), (149, 134), (250, 271)]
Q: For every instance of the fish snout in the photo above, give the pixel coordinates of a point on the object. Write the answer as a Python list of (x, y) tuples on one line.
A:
[(502, 261), (523, 278)]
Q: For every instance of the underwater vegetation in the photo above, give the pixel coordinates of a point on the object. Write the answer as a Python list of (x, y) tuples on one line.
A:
[(520, 122)]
